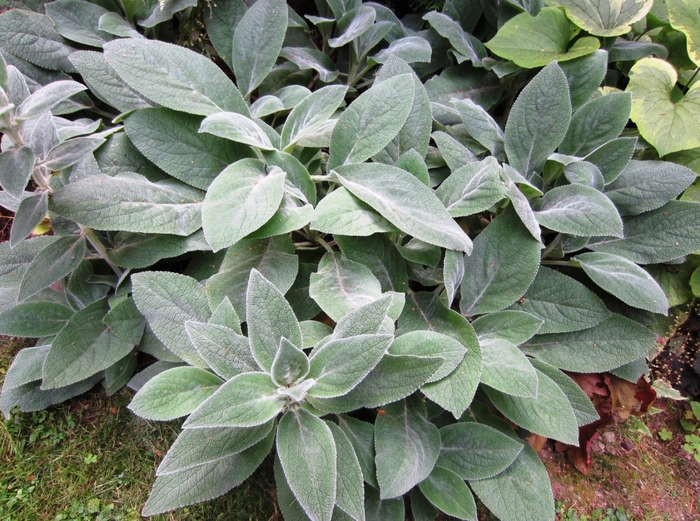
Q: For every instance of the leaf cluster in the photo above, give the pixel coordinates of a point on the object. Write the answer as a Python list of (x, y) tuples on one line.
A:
[(379, 241)]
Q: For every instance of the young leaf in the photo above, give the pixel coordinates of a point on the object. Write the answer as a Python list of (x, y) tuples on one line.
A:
[(625, 280), (46, 98), (257, 41), (341, 213), (290, 364), (246, 196), (448, 492), (352, 25), (507, 369), (371, 121), (129, 203), (270, 318), (78, 21), (224, 350), (476, 451), (364, 320), (452, 273), (407, 447), (341, 285), (609, 345), (663, 117), (54, 262), (168, 300), (514, 326), (84, 347), (171, 140), (536, 41), (246, 400), (34, 319), (538, 121), (578, 210), (238, 128), (481, 126), (307, 453), (174, 393), (562, 302), (601, 19), (341, 364), (467, 47), (196, 447), (31, 212), (307, 58), (405, 202), (174, 77), (501, 268), (206, 481)]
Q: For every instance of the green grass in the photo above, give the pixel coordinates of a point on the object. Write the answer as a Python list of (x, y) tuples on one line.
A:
[(91, 459)]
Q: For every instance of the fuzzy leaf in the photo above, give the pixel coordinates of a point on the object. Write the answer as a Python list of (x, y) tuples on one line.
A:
[(472, 188), (448, 492), (350, 492), (309, 115), (34, 319), (514, 326), (430, 343), (224, 350), (507, 369)]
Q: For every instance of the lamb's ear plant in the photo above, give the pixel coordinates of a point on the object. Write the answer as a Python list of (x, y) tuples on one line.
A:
[(360, 256)]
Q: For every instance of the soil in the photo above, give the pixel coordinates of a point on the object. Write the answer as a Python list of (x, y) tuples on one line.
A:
[(651, 479)]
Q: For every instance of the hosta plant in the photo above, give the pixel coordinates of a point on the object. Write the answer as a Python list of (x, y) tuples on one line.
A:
[(364, 245)]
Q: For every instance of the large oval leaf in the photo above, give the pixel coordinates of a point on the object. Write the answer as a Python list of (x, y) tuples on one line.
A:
[(605, 17)]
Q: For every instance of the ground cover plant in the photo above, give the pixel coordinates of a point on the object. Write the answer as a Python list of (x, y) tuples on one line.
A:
[(367, 246)]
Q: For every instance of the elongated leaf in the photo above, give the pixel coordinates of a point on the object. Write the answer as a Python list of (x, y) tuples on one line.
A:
[(536, 41), (290, 364), (221, 23), (30, 397), (476, 451), (463, 82), (352, 25), (341, 285), (663, 117), (78, 21), (269, 318), (84, 347), (380, 256), (125, 321), (579, 210), (247, 400), (481, 126), (609, 345), (340, 365), (196, 447), (311, 113), (454, 392), (244, 195), (538, 121), (430, 343), (350, 493), (448, 492), (549, 414), (307, 58), (224, 350), (257, 42), (168, 300), (128, 203), (46, 98), (236, 127), (104, 82), (174, 77), (646, 185), (34, 319), (514, 326), (342, 213), (563, 303), (625, 280), (405, 202), (584, 75), (112, 23), (603, 18), (584, 409), (361, 435), (174, 393), (507, 369), (505, 495), (472, 188), (407, 447), (371, 121), (452, 273), (467, 46), (307, 453), (32, 37), (273, 257), (133, 250), (31, 212), (54, 262), (660, 235), (206, 481), (612, 157), (16, 166), (501, 268), (171, 140)]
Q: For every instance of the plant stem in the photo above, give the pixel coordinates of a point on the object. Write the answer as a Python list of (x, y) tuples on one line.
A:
[(551, 246), (568, 264), (101, 249), (325, 245)]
